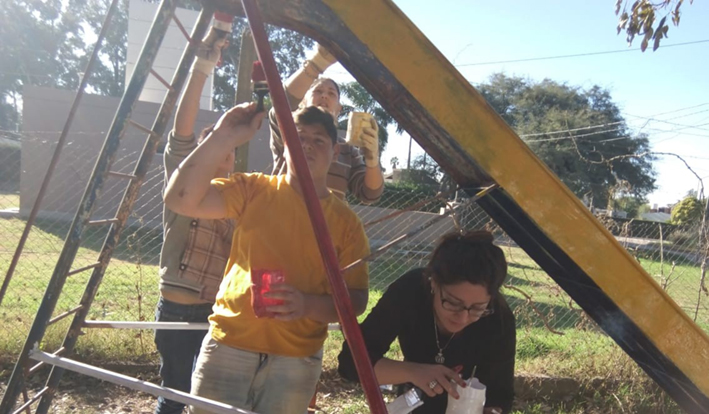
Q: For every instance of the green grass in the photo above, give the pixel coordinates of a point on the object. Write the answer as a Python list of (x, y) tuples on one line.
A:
[(8, 201), (128, 291), (555, 338)]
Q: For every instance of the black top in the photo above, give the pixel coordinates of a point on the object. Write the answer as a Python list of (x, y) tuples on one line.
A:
[(406, 311)]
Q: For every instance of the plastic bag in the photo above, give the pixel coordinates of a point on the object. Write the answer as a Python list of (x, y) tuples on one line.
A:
[(471, 401)]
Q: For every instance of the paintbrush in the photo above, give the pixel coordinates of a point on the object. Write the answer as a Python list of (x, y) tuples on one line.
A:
[(258, 84)]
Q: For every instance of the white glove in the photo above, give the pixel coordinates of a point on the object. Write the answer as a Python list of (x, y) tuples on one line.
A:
[(322, 59), (210, 50), (370, 144)]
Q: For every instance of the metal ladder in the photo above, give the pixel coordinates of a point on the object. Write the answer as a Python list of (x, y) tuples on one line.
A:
[(17, 384)]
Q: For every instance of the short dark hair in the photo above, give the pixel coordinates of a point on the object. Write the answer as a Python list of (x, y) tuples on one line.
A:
[(468, 257), (312, 115)]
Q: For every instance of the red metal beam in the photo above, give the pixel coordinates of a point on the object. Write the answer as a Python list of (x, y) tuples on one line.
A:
[(348, 319)]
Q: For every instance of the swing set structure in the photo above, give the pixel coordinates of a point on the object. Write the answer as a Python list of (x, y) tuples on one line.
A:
[(414, 82)]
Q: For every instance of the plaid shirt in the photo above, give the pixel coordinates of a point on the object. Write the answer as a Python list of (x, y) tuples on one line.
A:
[(206, 255)]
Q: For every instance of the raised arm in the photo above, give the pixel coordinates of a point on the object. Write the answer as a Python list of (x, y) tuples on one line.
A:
[(189, 192), (208, 54), (296, 86), (299, 82), (181, 140)]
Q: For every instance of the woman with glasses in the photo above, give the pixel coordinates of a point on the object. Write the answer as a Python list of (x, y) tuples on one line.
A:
[(449, 317)]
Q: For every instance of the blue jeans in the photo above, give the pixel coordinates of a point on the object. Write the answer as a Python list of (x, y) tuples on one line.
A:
[(178, 349), (262, 383)]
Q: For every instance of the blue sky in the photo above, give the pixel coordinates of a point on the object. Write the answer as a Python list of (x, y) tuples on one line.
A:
[(664, 93)]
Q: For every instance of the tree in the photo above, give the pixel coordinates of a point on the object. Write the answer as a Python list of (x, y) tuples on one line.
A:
[(430, 171), (580, 134), (48, 43), (425, 171), (633, 206), (41, 44), (362, 101), (109, 73), (640, 20), (288, 47), (689, 211)]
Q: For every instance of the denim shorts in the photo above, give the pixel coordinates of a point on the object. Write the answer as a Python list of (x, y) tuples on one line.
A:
[(264, 383)]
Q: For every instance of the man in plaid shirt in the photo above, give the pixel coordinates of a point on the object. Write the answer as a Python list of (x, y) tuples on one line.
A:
[(194, 251)]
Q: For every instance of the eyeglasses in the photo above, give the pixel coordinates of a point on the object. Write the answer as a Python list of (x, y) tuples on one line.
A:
[(474, 311)]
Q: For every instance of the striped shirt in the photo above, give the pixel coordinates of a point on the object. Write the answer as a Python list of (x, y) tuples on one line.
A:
[(346, 173)]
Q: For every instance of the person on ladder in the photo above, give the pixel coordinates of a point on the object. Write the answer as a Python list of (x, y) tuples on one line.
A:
[(261, 356), (194, 251), (356, 169)]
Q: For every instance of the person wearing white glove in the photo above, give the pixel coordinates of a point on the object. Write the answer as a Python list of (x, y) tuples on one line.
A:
[(191, 267), (357, 170), (209, 52), (370, 144)]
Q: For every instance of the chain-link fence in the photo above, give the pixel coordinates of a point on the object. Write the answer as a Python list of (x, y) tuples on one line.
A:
[(554, 336)]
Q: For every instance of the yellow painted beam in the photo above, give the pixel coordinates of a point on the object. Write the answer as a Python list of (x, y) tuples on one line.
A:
[(464, 114)]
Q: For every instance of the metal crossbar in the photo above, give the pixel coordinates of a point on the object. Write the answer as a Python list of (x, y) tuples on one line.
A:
[(173, 326), (31, 401), (136, 384)]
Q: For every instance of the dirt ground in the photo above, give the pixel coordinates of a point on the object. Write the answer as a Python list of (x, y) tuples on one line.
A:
[(80, 394)]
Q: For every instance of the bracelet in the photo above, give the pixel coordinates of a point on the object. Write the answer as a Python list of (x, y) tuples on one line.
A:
[(311, 69)]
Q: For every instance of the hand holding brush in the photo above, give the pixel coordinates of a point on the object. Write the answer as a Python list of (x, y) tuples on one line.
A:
[(258, 84)]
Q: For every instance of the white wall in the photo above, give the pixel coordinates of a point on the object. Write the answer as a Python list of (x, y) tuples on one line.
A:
[(140, 19)]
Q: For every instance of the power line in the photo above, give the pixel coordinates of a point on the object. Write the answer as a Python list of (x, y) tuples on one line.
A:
[(575, 55), (651, 118), (684, 126), (570, 130), (574, 136), (682, 109), (563, 131)]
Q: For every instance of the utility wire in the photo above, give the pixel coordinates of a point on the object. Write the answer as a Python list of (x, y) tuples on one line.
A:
[(570, 130), (574, 136), (563, 131), (685, 126), (575, 55)]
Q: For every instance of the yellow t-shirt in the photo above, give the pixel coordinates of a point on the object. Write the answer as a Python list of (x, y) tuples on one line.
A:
[(273, 232)]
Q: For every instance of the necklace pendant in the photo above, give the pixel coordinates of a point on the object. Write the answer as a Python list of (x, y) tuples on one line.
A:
[(439, 358)]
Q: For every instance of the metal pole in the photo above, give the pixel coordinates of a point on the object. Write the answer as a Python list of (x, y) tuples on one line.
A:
[(73, 240), (175, 326), (138, 385), (247, 55), (58, 149), (339, 289)]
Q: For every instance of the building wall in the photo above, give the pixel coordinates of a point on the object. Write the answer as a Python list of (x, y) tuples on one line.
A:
[(44, 113), (140, 20)]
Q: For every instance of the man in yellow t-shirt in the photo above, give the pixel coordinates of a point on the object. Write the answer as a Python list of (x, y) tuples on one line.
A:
[(269, 364)]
